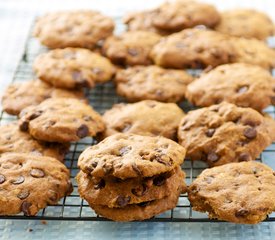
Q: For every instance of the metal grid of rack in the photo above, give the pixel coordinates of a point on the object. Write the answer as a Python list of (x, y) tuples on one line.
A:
[(102, 97)]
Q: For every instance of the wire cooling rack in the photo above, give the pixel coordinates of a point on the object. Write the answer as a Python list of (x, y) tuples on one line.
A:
[(102, 97)]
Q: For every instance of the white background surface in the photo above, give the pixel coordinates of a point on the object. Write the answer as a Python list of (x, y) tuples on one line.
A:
[(15, 19)]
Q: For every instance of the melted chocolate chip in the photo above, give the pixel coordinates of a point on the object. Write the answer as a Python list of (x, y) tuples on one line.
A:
[(25, 208), (82, 131), (133, 52), (210, 132), (53, 196), (242, 89), (2, 179), (19, 180), (250, 133), (160, 160), (241, 213), (23, 195), (140, 191), (212, 157), (100, 184), (122, 201), (144, 204), (124, 150), (136, 169), (244, 157), (159, 180), (37, 173), (24, 126), (79, 80)]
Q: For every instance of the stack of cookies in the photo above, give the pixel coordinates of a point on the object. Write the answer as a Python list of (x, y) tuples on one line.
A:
[(130, 177)]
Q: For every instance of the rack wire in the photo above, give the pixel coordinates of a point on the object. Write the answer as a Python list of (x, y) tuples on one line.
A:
[(102, 97)]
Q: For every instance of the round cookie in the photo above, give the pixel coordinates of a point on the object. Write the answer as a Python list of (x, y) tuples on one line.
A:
[(242, 84), (115, 193), (147, 117), (80, 28), (14, 140), (254, 52), (18, 95), (224, 133), (73, 68), (30, 183), (61, 120), (128, 155), (237, 192), (165, 85), (193, 48), (140, 211), (247, 23), (181, 14), (130, 48)]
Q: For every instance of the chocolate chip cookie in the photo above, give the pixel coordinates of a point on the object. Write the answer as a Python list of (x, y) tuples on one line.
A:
[(61, 120), (114, 193), (224, 133), (79, 28), (128, 156), (18, 95), (181, 14), (147, 117), (236, 192), (165, 85), (193, 48), (29, 183), (16, 141), (73, 68), (130, 48), (242, 84), (248, 23)]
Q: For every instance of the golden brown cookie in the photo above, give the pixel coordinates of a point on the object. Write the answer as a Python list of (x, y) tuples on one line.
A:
[(147, 117), (128, 155), (236, 192), (29, 183), (242, 84), (18, 95), (248, 23), (79, 28), (131, 48), (224, 133), (16, 141), (152, 82), (195, 48), (73, 68), (61, 120)]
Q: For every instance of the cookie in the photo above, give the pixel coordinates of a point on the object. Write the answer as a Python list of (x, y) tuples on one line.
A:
[(165, 85), (16, 141), (61, 120), (30, 183), (79, 28), (18, 95), (130, 48), (115, 193), (147, 117), (237, 192), (73, 68), (128, 156), (140, 211), (248, 23), (193, 48), (224, 133), (243, 84), (181, 14), (254, 51)]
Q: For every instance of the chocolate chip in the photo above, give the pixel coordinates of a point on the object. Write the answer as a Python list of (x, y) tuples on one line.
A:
[(250, 133), (100, 184), (160, 160), (136, 169), (212, 157), (94, 164), (122, 201), (80, 81), (244, 157), (242, 89), (35, 115), (144, 204), (82, 131), (133, 52), (37, 173), (140, 191), (53, 196), (24, 194), (159, 180), (25, 208), (2, 179), (19, 180), (24, 126), (241, 213), (124, 150), (255, 170), (210, 132)]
